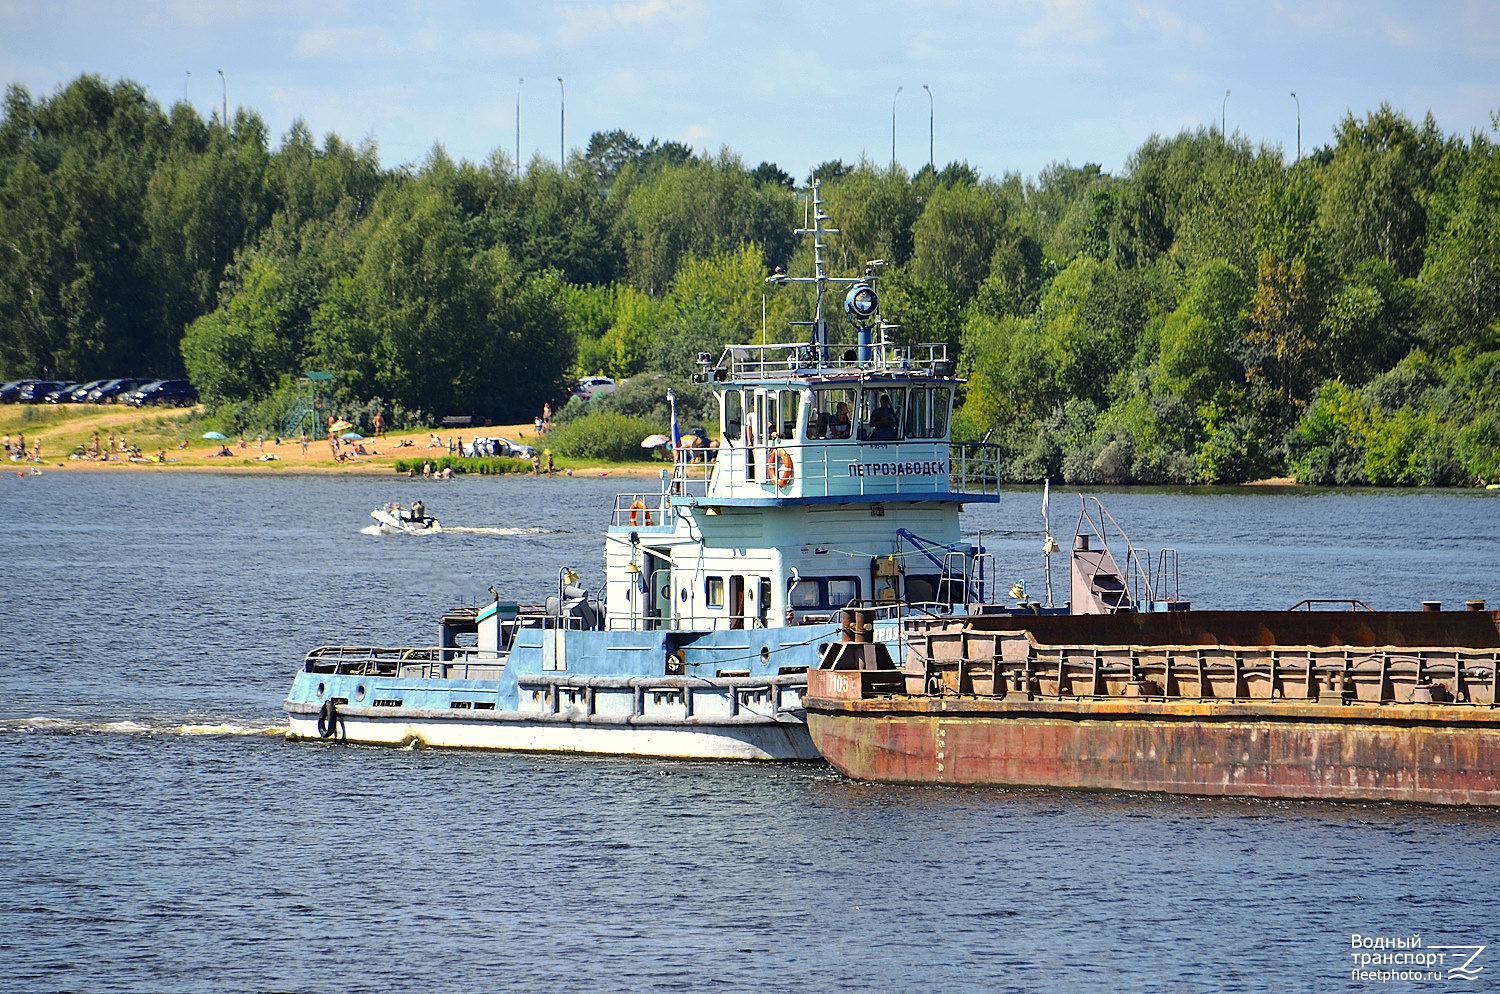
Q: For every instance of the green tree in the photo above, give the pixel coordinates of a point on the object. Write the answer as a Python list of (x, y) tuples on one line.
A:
[(699, 209), (237, 352), (1373, 193), (954, 239), (1461, 272), (714, 302), (1282, 361), (1198, 338)]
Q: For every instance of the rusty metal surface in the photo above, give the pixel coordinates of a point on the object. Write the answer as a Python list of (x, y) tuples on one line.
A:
[(1417, 753), (1466, 629)]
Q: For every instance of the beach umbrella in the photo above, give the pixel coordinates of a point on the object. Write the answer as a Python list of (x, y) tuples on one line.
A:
[(218, 436), (352, 436), (340, 425), (652, 441)]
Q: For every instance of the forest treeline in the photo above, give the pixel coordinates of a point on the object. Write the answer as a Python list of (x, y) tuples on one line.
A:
[(1215, 313)]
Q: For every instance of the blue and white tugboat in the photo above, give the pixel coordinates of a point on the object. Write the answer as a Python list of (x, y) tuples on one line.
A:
[(834, 483)]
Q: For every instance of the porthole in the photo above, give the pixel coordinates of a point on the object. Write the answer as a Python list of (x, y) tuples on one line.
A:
[(359, 692), (322, 689)]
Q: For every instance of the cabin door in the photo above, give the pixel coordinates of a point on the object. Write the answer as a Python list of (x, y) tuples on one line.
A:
[(658, 595), (736, 601)]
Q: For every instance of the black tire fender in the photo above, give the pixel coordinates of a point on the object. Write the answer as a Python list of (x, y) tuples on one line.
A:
[(328, 720)]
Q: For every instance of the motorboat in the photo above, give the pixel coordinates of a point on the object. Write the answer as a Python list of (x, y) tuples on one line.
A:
[(397, 520)]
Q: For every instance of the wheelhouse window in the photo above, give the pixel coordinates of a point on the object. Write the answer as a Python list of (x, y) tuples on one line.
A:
[(823, 593), (927, 412), (831, 414), (734, 415), (880, 414), (713, 591), (790, 402), (842, 590), (806, 594)]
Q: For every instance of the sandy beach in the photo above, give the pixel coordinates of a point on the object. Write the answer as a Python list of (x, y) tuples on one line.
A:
[(176, 438)]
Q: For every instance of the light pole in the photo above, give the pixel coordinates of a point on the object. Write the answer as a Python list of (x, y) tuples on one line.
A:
[(562, 121), (185, 82), (930, 112), (225, 84), (519, 83), (1223, 112), (1299, 126), (893, 126)]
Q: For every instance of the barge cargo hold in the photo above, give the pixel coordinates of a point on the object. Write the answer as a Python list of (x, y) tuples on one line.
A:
[(1360, 706)]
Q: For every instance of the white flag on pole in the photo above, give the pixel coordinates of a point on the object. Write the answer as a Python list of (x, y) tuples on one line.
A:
[(1046, 484)]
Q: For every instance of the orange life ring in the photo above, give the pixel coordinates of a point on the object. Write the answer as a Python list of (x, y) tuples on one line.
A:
[(784, 475), (638, 512)]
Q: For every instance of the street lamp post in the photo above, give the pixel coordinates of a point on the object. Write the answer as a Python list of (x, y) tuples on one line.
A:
[(562, 121), (893, 126), (930, 112), (188, 79), (225, 84), (1223, 115), (519, 83), (1299, 126)]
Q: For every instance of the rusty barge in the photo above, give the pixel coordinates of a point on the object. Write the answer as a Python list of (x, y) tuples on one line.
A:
[(1369, 706)]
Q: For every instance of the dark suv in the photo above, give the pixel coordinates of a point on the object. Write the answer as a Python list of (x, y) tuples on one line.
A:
[(37, 391), (178, 393), (113, 390), (10, 393)]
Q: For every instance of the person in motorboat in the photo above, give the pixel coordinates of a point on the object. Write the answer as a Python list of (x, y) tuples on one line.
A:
[(418, 512)]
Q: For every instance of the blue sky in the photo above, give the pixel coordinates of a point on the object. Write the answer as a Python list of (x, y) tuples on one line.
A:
[(1014, 85)]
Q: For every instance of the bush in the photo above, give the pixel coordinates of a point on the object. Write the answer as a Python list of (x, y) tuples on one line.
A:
[(484, 466), (608, 435)]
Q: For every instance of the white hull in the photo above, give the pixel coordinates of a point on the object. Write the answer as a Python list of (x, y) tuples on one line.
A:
[(392, 524), (783, 741)]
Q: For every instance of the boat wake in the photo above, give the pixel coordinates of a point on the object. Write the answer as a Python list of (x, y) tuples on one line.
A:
[(460, 530), (78, 726), (506, 531)]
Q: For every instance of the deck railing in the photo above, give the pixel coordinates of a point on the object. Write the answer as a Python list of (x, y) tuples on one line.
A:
[(779, 361)]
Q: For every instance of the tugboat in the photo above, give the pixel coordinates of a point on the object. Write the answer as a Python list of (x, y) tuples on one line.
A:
[(834, 483)]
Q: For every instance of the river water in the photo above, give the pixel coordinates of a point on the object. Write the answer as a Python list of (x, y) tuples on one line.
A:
[(156, 834)]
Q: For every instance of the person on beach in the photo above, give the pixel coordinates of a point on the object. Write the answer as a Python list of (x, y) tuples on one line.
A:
[(304, 441), (379, 425)]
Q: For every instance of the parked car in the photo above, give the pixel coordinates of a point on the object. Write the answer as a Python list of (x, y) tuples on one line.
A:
[(10, 393), (516, 450), (178, 393), (111, 390), (36, 391), (590, 385), (132, 396), (60, 395), (502, 447), (79, 394)]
